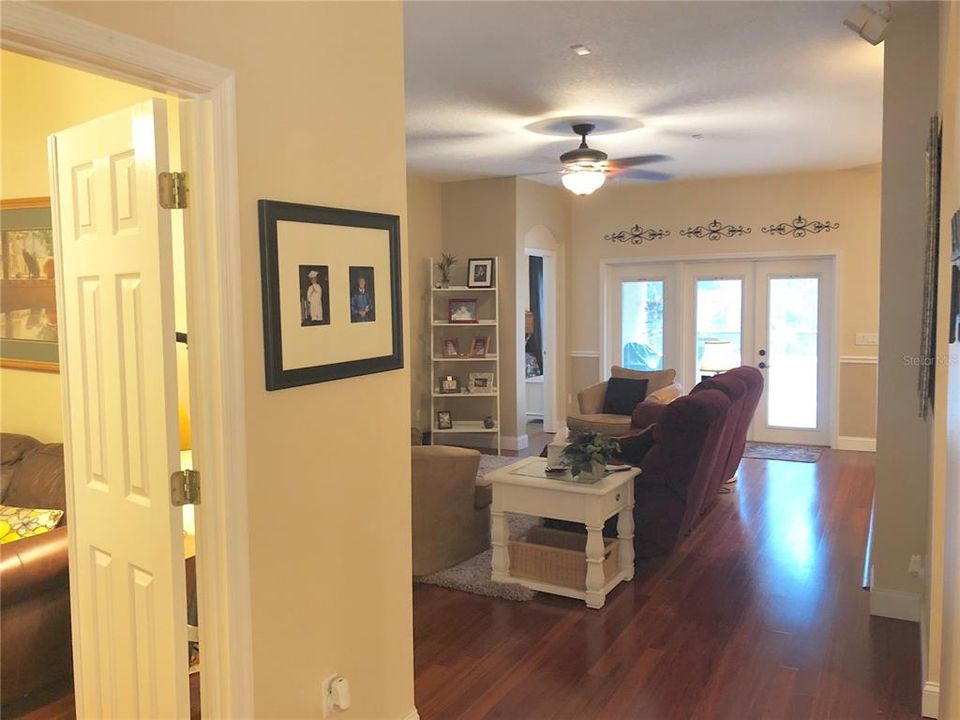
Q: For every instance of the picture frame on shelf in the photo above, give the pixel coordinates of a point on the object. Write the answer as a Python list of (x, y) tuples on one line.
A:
[(331, 293), (478, 348), (450, 348), (462, 310), (449, 384), (480, 382), (444, 420), (29, 335), (480, 272)]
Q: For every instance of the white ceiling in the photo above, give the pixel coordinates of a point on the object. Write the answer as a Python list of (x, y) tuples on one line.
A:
[(771, 86)]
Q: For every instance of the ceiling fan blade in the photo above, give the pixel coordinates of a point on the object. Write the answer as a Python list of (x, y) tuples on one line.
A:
[(628, 162), (638, 174)]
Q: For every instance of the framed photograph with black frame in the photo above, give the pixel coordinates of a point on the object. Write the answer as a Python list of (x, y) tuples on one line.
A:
[(480, 272), (330, 279)]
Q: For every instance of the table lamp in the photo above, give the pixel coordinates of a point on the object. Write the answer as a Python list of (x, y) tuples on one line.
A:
[(718, 356)]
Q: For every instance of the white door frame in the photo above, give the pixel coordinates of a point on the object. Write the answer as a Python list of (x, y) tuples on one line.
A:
[(551, 369), (208, 149), (608, 266)]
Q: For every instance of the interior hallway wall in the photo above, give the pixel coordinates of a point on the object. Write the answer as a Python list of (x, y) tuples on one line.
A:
[(320, 120)]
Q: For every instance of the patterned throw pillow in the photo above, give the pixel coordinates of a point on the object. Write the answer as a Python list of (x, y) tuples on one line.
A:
[(17, 523)]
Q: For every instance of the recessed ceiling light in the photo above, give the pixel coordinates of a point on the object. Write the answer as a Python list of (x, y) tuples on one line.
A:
[(580, 49)]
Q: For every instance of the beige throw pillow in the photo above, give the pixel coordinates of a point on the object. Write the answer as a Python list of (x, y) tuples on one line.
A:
[(656, 379), (668, 394)]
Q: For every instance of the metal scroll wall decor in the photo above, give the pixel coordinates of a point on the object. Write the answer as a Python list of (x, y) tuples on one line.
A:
[(715, 230), (637, 235), (799, 227)]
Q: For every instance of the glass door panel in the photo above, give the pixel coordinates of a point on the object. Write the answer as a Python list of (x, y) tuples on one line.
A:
[(641, 324), (792, 345), (719, 305)]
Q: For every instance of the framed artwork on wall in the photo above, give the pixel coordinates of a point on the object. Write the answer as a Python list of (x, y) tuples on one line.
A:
[(28, 292), (480, 272), (330, 280), (462, 310)]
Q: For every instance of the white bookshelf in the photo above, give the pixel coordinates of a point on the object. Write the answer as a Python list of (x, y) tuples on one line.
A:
[(467, 408)]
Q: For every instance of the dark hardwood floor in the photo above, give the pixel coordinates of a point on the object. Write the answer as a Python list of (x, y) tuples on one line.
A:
[(758, 614)]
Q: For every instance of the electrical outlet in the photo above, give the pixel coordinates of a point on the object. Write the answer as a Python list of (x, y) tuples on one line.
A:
[(915, 567), (867, 339)]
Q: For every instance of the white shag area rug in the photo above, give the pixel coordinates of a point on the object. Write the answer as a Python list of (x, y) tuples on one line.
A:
[(473, 575)]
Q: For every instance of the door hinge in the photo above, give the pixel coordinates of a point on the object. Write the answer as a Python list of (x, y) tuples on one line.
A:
[(174, 191), (185, 488)]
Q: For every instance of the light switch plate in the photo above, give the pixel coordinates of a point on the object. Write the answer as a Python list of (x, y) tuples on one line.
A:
[(867, 339)]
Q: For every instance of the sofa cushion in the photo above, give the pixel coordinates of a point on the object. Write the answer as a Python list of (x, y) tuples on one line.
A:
[(39, 480), (635, 444), (623, 395), (656, 379), (17, 523)]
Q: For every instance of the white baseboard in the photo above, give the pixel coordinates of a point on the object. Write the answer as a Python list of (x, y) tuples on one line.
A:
[(930, 700), (518, 442), (412, 715), (863, 444), (895, 604)]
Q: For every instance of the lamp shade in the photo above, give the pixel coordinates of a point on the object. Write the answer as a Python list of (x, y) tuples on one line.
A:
[(583, 182), (718, 356)]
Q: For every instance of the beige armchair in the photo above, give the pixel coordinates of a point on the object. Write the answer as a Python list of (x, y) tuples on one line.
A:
[(451, 513), (660, 386)]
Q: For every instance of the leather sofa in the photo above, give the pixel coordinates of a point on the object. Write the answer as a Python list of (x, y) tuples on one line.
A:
[(661, 386), (35, 642), (451, 511)]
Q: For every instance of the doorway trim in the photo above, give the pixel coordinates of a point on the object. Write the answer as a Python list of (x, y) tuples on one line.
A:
[(606, 265), (209, 149), (551, 322)]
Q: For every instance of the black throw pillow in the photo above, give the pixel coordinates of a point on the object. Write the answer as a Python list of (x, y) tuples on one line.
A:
[(623, 395)]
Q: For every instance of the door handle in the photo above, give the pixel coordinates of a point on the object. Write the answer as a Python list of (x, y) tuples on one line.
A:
[(763, 366)]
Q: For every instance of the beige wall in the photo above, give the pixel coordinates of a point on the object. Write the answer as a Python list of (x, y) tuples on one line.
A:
[(424, 228), (943, 594), (320, 117), (849, 197), (479, 220), (543, 223), (40, 98), (903, 439)]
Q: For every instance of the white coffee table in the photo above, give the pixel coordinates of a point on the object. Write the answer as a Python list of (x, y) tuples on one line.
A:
[(534, 493)]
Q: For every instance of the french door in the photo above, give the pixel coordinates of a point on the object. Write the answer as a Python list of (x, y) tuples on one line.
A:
[(700, 318)]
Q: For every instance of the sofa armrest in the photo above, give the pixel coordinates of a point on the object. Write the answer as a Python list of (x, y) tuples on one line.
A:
[(591, 399), (646, 413), (32, 565)]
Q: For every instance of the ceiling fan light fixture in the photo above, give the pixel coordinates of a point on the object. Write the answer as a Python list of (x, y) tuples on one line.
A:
[(583, 181)]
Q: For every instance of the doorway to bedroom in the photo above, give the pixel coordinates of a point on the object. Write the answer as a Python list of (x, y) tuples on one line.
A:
[(539, 361)]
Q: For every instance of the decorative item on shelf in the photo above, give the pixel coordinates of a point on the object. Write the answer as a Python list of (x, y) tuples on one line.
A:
[(449, 384), (450, 348), (28, 337), (637, 235), (588, 454), (444, 420), (462, 311), (714, 230), (799, 227), (478, 348), (718, 356), (343, 269), (480, 272), (445, 266), (480, 382), (488, 422)]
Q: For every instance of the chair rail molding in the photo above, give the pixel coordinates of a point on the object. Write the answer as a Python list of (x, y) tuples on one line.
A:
[(585, 353), (859, 360)]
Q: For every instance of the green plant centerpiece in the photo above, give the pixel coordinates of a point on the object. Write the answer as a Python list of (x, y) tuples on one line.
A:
[(588, 454), (445, 266)]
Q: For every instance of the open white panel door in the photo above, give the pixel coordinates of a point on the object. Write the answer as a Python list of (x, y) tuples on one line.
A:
[(118, 368)]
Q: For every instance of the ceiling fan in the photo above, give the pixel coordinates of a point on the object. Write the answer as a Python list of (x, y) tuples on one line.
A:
[(585, 169)]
